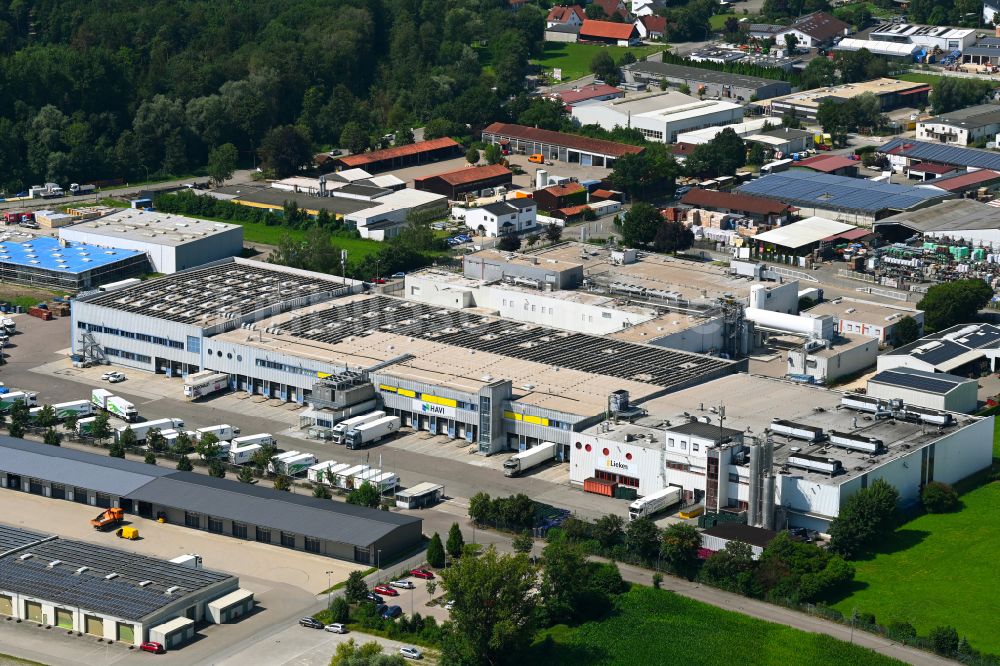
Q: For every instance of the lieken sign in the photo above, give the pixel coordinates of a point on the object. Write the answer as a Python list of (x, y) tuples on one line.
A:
[(430, 409), (614, 464)]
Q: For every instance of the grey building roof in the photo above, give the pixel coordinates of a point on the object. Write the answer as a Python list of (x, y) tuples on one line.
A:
[(254, 505), (943, 154), (970, 118), (332, 204), (15, 537), (755, 536), (937, 383), (500, 208), (957, 215), (564, 27), (188, 491), (704, 430), (787, 133), (800, 188), (661, 69), (76, 573)]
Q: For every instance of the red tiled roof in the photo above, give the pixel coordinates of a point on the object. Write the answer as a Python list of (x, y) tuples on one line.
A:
[(927, 167), (469, 174), (655, 23), (607, 30), (850, 235), (572, 141), (953, 183), (681, 148), (612, 7), (563, 190), (362, 159), (729, 201), (570, 211), (562, 13), (603, 194), (826, 163), (588, 92)]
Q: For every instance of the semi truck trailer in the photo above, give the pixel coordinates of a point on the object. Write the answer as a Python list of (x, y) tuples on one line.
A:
[(297, 465), (655, 502), (367, 434), (241, 455), (78, 407), (525, 460), (347, 425), (85, 426), (222, 431), (141, 430), (204, 383), (109, 402), (260, 439), (8, 399)]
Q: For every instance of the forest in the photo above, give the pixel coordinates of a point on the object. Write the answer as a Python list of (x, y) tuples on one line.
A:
[(135, 90)]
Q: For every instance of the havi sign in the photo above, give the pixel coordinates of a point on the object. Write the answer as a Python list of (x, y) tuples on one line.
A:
[(430, 409)]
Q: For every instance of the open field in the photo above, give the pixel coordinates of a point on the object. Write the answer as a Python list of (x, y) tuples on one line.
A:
[(26, 296), (574, 59), (933, 572), (658, 627), (718, 21), (253, 232), (917, 77)]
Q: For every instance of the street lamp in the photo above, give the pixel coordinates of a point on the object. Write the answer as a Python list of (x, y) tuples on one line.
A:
[(378, 565), (147, 171), (329, 590)]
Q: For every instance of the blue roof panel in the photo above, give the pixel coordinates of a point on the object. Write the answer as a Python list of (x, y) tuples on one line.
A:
[(46, 253), (800, 188), (944, 154)]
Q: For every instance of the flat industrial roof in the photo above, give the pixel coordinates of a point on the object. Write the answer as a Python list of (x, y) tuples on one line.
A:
[(957, 215), (799, 234), (76, 573), (47, 253), (698, 74), (230, 288), (223, 498), (820, 190), (813, 97), (866, 312), (952, 347), (572, 141), (272, 197), (151, 227)]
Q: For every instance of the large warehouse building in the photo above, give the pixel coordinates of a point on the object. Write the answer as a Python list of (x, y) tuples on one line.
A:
[(711, 83), (498, 383), (786, 453), (172, 242), (54, 264), (108, 593), (660, 116), (221, 506), (552, 145)]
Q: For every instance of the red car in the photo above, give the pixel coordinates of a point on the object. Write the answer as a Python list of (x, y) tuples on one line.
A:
[(386, 590), (421, 573), (152, 646)]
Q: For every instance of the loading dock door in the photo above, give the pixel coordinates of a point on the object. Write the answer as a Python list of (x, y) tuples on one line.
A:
[(586, 160), (33, 610), (6, 607), (126, 633), (64, 618), (93, 625)]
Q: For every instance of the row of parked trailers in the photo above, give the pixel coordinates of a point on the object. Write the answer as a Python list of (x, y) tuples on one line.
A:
[(348, 476)]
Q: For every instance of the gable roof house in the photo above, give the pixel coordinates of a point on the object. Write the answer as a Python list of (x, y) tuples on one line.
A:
[(606, 32), (651, 26), (614, 8), (813, 30), (565, 15)]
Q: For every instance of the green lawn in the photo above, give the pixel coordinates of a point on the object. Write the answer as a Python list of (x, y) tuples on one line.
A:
[(254, 232), (718, 21), (917, 77), (938, 570), (660, 628), (574, 59)]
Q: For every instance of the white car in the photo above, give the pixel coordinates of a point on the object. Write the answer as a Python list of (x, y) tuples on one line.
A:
[(403, 584), (116, 377), (336, 628), (107, 375), (448, 606), (411, 652)]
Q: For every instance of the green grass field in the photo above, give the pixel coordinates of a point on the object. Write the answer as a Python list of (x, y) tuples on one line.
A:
[(574, 59), (718, 21), (917, 77), (658, 628), (936, 570), (253, 232)]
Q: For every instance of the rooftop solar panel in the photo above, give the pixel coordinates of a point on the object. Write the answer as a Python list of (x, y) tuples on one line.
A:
[(919, 382), (839, 192), (944, 154)]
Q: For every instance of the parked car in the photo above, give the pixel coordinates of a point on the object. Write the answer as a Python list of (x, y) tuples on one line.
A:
[(381, 609), (336, 628), (398, 276), (411, 652), (374, 597), (404, 584), (448, 606), (116, 377), (311, 623), (421, 573), (106, 375), (378, 280), (391, 612), (386, 590), (153, 646)]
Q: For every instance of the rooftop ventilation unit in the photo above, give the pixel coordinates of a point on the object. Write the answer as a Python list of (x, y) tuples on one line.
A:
[(796, 430), (26, 556), (80, 571), (171, 590), (111, 576)]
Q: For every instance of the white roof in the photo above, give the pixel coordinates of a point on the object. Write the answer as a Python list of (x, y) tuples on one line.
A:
[(877, 47), (173, 625), (692, 110), (419, 489), (809, 230), (706, 134), (354, 174), (386, 180)]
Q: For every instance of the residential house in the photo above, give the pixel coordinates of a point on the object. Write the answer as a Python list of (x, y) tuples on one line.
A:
[(814, 30), (503, 217), (565, 15), (614, 10), (651, 26), (647, 7), (962, 127)]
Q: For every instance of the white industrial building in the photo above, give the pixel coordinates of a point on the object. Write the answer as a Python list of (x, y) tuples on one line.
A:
[(512, 216), (854, 316), (934, 390), (785, 453), (172, 242), (966, 350), (963, 126), (659, 116), (743, 130), (829, 360), (111, 594), (927, 36)]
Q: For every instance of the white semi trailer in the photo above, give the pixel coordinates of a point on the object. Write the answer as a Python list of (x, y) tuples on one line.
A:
[(525, 460), (654, 502)]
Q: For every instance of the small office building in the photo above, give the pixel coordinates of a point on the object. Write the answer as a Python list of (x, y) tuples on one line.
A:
[(933, 390), (963, 126)]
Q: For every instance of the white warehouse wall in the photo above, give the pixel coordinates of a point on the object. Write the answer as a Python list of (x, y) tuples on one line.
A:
[(166, 258)]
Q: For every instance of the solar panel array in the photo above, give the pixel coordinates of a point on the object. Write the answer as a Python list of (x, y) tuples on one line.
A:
[(944, 154), (913, 381), (14, 537), (227, 290), (838, 192), (576, 351)]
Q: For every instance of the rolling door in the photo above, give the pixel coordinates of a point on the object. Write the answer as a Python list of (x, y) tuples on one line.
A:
[(126, 633), (6, 607), (33, 610), (64, 618), (94, 626)]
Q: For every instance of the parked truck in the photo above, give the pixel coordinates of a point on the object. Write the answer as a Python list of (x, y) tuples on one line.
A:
[(85, 426), (8, 399), (241, 455), (525, 460), (108, 518), (99, 397), (78, 407), (297, 465), (81, 190), (204, 383), (277, 462), (223, 452), (141, 430), (122, 408), (223, 431), (347, 425), (260, 439), (367, 434), (655, 502)]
